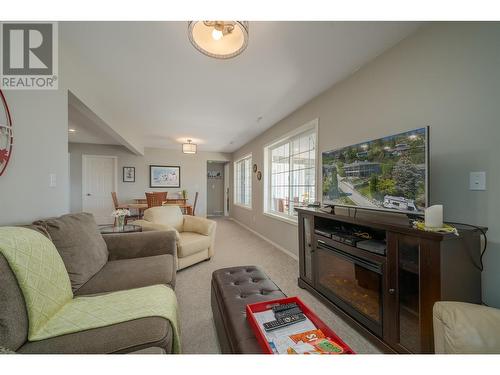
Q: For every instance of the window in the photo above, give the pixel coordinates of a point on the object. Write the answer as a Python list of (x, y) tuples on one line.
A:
[(290, 171), (243, 182)]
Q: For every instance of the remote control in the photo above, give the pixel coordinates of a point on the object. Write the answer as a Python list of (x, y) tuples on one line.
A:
[(292, 311), (283, 322), (284, 307)]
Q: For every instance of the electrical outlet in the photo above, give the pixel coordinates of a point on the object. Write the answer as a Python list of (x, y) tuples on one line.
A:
[(477, 181)]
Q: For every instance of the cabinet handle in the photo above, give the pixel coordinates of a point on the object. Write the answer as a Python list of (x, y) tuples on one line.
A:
[(392, 290)]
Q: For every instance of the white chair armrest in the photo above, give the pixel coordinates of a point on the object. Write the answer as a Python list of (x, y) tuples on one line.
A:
[(466, 328), (148, 226), (198, 225)]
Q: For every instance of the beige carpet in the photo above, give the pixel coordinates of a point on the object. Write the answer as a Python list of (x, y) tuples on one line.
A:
[(235, 246)]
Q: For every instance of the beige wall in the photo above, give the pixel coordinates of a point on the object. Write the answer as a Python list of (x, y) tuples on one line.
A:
[(193, 171), (446, 76), (40, 126)]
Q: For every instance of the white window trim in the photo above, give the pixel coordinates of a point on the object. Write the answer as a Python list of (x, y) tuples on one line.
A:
[(285, 218), (235, 203), (311, 125)]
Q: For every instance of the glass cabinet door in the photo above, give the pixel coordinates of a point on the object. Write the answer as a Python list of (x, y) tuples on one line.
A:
[(306, 247), (409, 293)]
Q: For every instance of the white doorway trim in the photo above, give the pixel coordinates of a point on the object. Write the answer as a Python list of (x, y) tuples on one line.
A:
[(224, 164), (85, 158), (227, 188)]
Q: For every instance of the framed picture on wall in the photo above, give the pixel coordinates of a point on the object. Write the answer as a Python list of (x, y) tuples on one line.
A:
[(164, 176), (128, 174)]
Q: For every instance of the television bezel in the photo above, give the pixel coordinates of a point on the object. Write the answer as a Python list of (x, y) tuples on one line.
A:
[(427, 177)]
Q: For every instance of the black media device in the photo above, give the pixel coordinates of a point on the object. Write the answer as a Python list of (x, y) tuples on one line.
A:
[(283, 322), (373, 246), (346, 238), (284, 307), (292, 311)]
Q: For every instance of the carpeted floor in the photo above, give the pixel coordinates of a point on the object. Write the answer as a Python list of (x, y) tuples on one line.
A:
[(235, 245)]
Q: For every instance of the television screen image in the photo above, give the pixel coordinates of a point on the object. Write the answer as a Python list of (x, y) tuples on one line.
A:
[(389, 173)]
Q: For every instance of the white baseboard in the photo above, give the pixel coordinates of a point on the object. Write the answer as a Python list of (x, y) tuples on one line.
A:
[(280, 248)]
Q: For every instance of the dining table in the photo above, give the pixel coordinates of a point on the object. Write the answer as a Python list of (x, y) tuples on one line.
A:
[(141, 205)]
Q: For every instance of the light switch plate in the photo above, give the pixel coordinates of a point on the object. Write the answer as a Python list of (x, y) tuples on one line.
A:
[(53, 180), (477, 181)]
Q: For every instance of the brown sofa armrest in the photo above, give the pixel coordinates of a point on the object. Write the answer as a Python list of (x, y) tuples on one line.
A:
[(140, 244)]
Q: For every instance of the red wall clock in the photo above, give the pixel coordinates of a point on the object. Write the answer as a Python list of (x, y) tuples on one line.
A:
[(6, 137)]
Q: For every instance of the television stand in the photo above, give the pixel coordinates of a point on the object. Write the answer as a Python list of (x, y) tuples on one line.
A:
[(383, 276)]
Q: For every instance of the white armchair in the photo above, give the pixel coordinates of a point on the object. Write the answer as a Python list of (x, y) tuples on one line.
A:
[(195, 235), (466, 328)]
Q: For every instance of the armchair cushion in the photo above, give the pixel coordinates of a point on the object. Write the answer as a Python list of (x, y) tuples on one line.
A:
[(148, 226), (198, 224), (192, 243), (80, 244), (466, 328), (134, 273), (167, 215)]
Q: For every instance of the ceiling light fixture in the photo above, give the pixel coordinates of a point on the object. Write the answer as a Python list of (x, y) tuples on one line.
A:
[(219, 39), (189, 148), (71, 130)]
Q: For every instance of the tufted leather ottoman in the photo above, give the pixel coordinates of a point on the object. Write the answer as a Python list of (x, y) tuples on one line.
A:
[(232, 290)]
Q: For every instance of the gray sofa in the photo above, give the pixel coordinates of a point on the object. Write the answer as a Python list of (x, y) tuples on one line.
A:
[(95, 264)]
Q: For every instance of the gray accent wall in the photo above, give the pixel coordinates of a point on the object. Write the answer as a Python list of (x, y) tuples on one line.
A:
[(193, 172), (446, 76)]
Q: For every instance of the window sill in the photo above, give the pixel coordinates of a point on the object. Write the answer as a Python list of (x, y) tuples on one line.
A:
[(249, 208), (287, 220)]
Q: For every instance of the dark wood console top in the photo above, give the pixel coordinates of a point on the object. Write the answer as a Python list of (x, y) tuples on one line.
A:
[(394, 222)]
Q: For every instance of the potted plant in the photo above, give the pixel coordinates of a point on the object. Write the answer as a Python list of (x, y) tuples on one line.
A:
[(184, 194)]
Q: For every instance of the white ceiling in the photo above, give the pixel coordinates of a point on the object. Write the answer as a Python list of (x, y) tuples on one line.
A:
[(173, 92)]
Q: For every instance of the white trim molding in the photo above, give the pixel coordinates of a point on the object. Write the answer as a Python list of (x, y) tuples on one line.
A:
[(235, 184), (274, 244), (311, 126)]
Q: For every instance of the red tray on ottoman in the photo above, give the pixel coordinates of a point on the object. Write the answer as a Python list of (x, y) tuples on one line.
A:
[(267, 305)]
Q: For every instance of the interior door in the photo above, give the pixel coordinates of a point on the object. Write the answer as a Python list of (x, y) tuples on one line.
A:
[(215, 188), (98, 181)]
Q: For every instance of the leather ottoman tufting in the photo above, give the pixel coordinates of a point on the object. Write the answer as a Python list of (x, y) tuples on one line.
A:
[(232, 290)]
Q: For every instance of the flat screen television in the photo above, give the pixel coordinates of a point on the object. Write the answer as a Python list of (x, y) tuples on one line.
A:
[(389, 173)]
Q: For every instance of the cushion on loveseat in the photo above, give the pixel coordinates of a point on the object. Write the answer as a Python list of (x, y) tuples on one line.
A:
[(122, 337), (80, 244), (191, 243), (131, 273)]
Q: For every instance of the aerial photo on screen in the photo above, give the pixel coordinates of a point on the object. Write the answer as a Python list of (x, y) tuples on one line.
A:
[(387, 173)]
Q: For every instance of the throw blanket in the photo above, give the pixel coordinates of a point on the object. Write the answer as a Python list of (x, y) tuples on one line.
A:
[(52, 310)]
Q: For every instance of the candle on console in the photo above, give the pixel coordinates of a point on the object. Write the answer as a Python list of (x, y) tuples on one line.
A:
[(434, 216)]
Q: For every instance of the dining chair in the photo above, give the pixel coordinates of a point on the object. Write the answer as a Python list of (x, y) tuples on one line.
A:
[(194, 204), (156, 199), (118, 206)]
